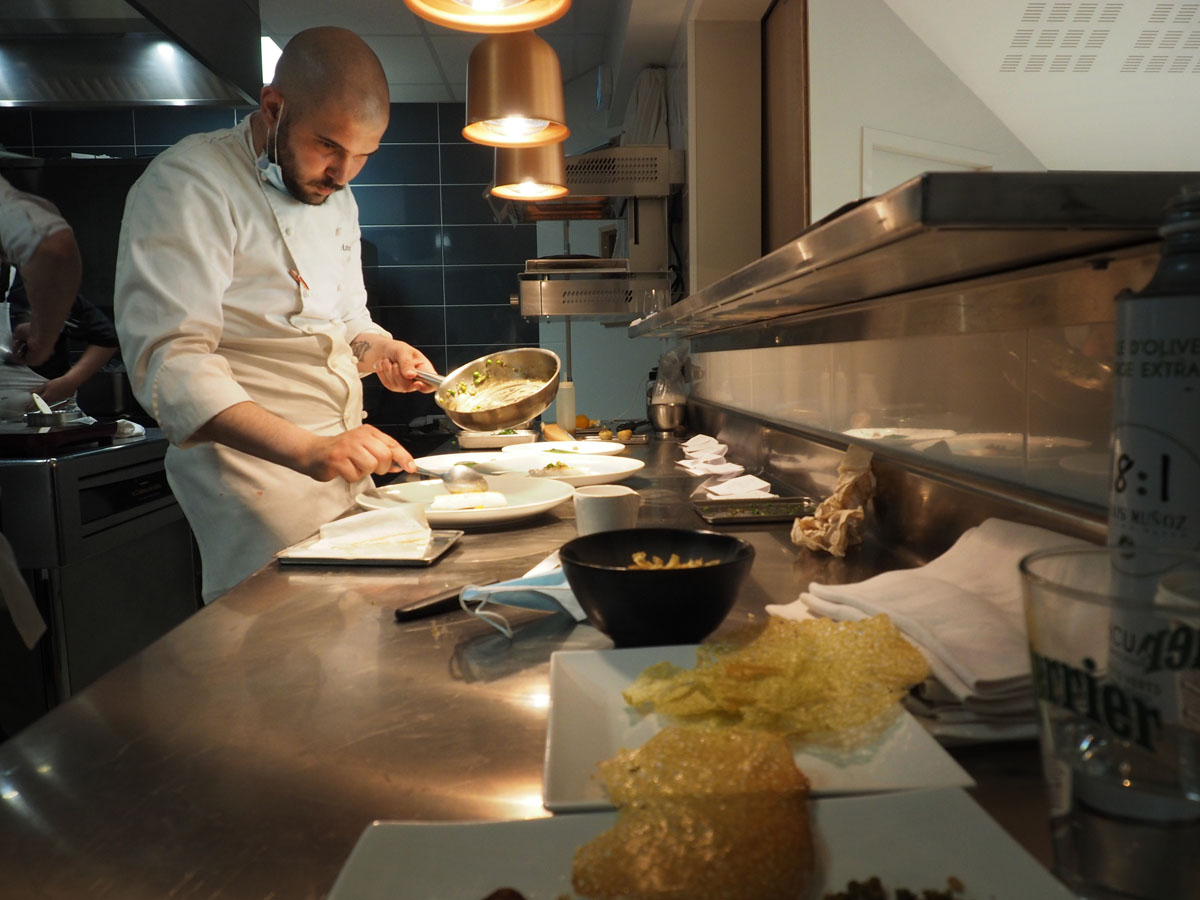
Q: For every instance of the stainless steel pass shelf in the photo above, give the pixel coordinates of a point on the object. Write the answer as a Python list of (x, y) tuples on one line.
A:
[(936, 229)]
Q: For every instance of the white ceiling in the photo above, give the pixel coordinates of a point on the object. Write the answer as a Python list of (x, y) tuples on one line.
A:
[(1084, 84), (427, 63)]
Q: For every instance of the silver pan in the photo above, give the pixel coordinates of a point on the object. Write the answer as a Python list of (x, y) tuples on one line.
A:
[(500, 390)]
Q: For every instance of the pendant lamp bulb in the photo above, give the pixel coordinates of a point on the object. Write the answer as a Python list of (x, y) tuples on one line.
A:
[(490, 16), (530, 173), (515, 92)]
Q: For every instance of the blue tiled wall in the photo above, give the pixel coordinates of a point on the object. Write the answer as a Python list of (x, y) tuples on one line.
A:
[(439, 270)]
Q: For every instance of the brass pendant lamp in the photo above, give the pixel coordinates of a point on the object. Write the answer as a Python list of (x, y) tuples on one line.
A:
[(490, 16), (530, 173), (515, 92)]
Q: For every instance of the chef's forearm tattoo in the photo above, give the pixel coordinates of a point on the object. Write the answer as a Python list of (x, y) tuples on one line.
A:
[(359, 349)]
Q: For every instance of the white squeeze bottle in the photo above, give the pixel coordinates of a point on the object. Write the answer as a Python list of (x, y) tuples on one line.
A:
[(1154, 494)]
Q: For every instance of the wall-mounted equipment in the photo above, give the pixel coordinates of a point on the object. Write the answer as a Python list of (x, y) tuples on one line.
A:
[(80, 54), (632, 186)]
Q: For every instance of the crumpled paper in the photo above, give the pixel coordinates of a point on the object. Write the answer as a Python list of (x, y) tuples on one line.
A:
[(837, 522)]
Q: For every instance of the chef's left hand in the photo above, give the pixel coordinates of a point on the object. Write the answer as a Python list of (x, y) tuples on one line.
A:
[(397, 368), (56, 390)]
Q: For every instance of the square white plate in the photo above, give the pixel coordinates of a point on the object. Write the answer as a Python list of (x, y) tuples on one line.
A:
[(590, 722), (913, 839)]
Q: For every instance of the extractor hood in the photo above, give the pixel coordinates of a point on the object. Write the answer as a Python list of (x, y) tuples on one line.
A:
[(73, 54)]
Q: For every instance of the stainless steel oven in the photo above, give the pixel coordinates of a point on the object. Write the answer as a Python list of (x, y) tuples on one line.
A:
[(108, 556)]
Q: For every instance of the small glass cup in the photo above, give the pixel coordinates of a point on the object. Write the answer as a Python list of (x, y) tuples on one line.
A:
[(1114, 638)]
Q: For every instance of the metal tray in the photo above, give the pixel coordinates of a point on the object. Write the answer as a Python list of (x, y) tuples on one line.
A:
[(780, 509), (441, 541)]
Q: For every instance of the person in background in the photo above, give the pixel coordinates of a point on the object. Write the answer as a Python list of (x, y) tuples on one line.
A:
[(242, 313), (38, 241), (35, 237), (86, 324)]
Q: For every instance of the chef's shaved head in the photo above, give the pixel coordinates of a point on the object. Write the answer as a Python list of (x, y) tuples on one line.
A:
[(328, 66)]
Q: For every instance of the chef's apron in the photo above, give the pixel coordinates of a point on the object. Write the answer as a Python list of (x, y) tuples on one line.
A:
[(243, 509), (17, 383)]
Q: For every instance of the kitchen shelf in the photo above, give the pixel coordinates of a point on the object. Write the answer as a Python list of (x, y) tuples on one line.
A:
[(934, 230)]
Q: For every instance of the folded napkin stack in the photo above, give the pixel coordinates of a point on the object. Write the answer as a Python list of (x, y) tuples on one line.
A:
[(964, 611), (399, 532), (705, 455), (544, 587)]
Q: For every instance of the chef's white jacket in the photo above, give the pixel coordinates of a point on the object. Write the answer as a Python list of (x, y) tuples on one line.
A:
[(229, 290), (25, 221)]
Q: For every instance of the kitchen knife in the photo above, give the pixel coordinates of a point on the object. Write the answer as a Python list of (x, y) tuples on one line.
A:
[(446, 601)]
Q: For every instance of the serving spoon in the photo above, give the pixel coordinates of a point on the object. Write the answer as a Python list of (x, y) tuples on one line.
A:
[(460, 479)]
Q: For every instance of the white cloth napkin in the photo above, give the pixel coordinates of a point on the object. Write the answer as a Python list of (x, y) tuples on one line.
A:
[(744, 487), (399, 532), (702, 446), (705, 455), (128, 429), (963, 610), (711, 467)]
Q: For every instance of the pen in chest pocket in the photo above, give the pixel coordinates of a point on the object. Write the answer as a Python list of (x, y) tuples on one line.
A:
[(298, 278)]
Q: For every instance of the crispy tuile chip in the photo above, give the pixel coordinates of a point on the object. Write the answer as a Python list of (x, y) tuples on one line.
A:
[(703, 815), (835, 683)]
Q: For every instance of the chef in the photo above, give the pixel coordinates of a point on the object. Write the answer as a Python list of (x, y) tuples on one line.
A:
[(36, 239), (242, 313)]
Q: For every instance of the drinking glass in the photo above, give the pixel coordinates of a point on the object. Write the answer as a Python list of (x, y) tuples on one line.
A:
[(1114, 637)]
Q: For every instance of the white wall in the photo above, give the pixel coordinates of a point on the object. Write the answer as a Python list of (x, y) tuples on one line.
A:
[(608, 367), (724, 140), (868, 69)]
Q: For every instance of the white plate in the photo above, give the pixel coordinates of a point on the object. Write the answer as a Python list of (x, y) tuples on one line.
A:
[(1002, 445), (586, 469), (590, 722), (438, 464), (595, 448), (900, 435), (914, 839), (526, 497), (1098, 464), (471, 440)]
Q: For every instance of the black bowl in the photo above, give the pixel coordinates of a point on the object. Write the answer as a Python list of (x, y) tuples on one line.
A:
[(641, 608)]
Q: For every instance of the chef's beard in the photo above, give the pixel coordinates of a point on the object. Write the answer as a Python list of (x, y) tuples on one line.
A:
[(306, 192)]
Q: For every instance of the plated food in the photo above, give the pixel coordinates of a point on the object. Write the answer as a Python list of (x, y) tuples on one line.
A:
[(523, 497), (912, 838), (702, 815), (588, 448), (575, 469), (835, 684), (590, 721)]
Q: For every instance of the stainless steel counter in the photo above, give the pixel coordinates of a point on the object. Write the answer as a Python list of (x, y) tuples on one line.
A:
[(241, 755)]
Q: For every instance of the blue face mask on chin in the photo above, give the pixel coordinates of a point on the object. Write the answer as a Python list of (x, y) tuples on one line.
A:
[(268, 170)]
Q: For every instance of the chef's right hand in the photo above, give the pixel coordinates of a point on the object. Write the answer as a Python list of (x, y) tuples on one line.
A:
[(355, 454)]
